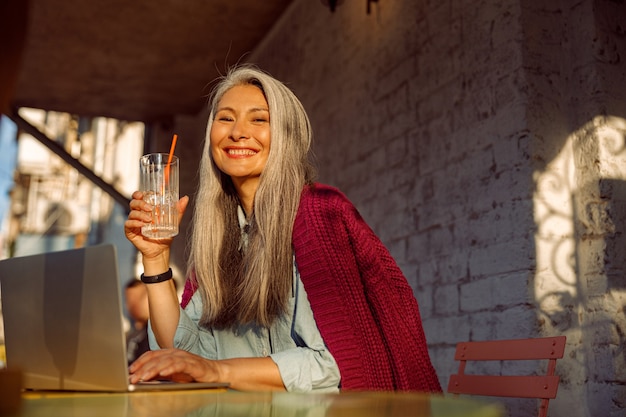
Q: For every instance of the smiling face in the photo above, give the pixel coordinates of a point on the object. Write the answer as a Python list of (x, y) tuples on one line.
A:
[(240, 136)]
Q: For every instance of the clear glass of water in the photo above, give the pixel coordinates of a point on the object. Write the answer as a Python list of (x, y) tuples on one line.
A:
[(159, 185)]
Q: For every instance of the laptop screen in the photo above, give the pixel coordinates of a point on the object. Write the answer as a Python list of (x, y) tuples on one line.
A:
[(63, 320)]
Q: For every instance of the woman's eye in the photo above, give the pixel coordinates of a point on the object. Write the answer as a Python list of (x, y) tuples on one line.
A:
[(260, 117)]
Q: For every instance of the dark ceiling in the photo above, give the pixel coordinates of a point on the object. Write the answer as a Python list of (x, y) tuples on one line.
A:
[(143, 60)]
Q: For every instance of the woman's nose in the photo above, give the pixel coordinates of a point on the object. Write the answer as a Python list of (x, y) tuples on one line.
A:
[(238, 131)]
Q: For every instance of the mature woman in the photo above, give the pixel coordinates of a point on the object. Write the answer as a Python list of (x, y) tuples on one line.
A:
[(288, 288)]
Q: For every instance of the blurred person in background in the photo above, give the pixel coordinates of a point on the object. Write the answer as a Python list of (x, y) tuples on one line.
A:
[(136, 299)]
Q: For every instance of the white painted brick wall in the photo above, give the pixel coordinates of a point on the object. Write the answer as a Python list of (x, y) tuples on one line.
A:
[(443, 121)]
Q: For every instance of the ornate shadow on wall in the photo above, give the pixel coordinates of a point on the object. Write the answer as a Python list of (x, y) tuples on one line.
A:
[(580, 286)]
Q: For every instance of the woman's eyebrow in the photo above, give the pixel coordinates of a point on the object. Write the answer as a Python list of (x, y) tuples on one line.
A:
[(258, 109), (251, 110)]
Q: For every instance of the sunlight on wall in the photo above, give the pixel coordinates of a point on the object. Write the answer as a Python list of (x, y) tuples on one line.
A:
[(573, 204), (554, 211), (612, 152), (579, 288)]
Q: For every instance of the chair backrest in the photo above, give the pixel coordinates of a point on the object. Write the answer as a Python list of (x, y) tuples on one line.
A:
[(543, 387)]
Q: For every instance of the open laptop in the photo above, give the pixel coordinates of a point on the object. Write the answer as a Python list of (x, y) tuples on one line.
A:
[(63, 322)]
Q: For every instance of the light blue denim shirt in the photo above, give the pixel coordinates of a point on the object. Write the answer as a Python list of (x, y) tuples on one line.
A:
[(293, 342)]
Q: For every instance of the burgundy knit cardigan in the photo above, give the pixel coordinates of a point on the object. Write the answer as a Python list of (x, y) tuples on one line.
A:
[(362, 303)]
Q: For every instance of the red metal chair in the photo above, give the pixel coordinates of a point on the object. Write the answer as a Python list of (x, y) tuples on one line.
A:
[(543, 387)]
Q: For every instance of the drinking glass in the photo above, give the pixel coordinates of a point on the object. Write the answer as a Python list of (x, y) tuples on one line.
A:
[(159, 185)]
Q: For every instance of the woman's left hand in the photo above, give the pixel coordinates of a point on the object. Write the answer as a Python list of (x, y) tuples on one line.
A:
[(175, 365), (244, 374)]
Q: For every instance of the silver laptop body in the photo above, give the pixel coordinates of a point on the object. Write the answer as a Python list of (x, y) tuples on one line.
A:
[(63, 321)]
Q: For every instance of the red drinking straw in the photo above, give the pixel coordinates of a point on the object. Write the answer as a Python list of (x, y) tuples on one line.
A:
[(169, 159)]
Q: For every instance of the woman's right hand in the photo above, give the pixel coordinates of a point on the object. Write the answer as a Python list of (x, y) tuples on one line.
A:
[(140, 215)]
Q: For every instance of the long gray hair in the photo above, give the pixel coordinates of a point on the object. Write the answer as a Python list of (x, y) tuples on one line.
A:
[(251, 285)]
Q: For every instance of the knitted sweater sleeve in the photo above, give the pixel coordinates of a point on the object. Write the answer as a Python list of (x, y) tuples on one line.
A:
[(362, 303), (191, 285)]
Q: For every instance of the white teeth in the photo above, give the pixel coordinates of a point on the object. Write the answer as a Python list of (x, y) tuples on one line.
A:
[(241, 152)]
